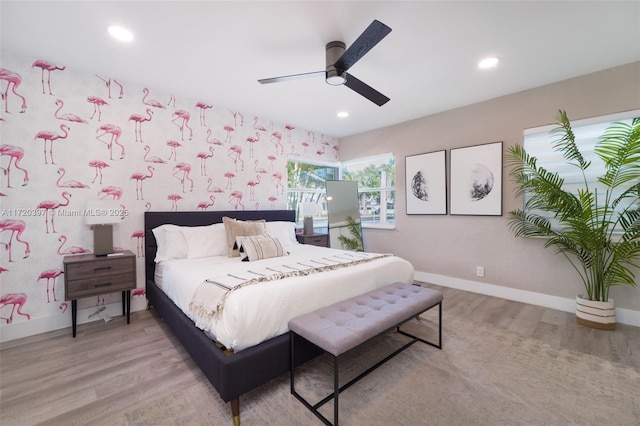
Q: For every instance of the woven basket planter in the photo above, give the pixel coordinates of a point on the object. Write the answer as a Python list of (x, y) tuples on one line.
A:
[(595, 314)]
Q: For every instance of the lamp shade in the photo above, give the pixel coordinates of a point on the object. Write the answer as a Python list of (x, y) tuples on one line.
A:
[(102, 212), (308, 209)]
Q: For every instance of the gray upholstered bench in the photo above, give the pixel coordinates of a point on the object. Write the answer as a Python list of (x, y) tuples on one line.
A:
[(344, 325)]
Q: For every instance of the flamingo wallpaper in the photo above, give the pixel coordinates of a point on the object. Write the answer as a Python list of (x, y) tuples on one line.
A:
[(70, 136)]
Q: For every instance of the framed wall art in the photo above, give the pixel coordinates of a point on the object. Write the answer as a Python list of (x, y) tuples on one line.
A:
[(426, 183), (476, 180)]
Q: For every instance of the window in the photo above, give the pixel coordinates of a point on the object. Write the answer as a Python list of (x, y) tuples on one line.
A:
[(376, 177), (538, 142), (376, 187), (307, 184)]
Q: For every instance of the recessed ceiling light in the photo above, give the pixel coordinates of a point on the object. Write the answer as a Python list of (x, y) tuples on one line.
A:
[(120, 33), (491, 62), (343, 114)]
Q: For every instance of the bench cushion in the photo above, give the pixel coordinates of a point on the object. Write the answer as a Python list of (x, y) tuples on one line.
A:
[(346, 324)]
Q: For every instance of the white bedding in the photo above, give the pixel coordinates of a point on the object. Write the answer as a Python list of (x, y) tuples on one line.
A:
[(259, 312)]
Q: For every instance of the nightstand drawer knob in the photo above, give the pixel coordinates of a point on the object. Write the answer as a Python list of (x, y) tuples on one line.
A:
[(104, 268)]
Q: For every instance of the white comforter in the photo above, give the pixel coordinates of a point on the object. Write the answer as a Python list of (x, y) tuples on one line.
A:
[(259, 312)]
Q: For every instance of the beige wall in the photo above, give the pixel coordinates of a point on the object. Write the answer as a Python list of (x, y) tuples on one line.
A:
[(454, 245)]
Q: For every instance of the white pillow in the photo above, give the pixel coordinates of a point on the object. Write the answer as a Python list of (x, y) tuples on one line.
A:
[(171, 243), (283, 231), (205, 241)]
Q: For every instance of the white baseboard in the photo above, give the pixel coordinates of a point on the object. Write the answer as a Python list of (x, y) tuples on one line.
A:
[(623, 316)]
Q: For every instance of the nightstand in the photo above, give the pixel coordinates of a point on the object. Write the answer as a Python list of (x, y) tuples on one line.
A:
[(88, 275), (315, 239)]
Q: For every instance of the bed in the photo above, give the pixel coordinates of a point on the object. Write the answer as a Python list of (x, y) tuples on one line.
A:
[(231, 372)]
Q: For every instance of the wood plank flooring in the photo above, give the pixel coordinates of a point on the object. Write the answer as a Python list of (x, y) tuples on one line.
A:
[(111, 369)]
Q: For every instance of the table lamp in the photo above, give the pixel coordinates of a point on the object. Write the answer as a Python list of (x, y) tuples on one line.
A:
[(102, 215)]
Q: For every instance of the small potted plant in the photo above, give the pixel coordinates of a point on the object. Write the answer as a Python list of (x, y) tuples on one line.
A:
[(596, 229)]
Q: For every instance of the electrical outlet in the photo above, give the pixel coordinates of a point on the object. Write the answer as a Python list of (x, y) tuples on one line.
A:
[(480, 271)]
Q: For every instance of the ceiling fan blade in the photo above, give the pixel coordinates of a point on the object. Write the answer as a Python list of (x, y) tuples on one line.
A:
[(374, 33), (290, 77), (365, 90)]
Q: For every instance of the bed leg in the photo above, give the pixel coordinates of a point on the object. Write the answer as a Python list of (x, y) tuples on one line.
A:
[(235, 411)]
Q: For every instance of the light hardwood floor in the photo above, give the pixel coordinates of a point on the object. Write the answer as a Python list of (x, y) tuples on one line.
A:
[(112, 368)]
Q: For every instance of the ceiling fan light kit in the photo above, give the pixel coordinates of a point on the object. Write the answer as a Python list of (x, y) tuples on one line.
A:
[(339, 59)]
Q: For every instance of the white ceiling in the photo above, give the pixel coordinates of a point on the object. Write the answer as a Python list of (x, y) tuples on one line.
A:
[(214, 51)]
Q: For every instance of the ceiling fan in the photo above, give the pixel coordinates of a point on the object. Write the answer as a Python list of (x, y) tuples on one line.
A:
[(339, 60)]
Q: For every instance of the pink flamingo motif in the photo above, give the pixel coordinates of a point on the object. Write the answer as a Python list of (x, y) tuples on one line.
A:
[(70, 250), (289, 128), (139, 236), (115, 132), (235, 199), (50, 274), (115, 192), (320, 152), (151, 102), (258, 126), (276, 179), (172, 101), (252, 186), (273, 200), (138, 120), (258, 169), (276, 140), (203, 205), (238, 118), (185, 116), (16, 227), (98, 165), (235, 152), (63, 307), (271, 159), (305, 146), (97, 103), (229, 176), (107, 82), (213, 141), (335, 150), (153, 158), (252, 141), (48, 67), (203, 160), (46, 135), (228, 129), (13, 82), (212, 188), (50, 207), (138, 292), (203, 109), (147, 207), (185, 168), (69, 183), (174, 149), (139, 177), (15, 154), (174, 198), (68, 116), (16, 300)]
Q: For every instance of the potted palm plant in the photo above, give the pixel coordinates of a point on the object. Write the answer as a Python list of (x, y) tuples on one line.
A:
[(597, 227)]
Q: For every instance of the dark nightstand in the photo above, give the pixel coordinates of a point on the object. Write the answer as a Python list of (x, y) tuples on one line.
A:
[(88, 275), (315, 239)]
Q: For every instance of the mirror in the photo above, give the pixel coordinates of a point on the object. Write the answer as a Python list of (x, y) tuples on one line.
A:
[(343, 211)]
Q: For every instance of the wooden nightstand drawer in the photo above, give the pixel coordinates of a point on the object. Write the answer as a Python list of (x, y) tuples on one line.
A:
[(77, 289), (91, 269), (321, 240)]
